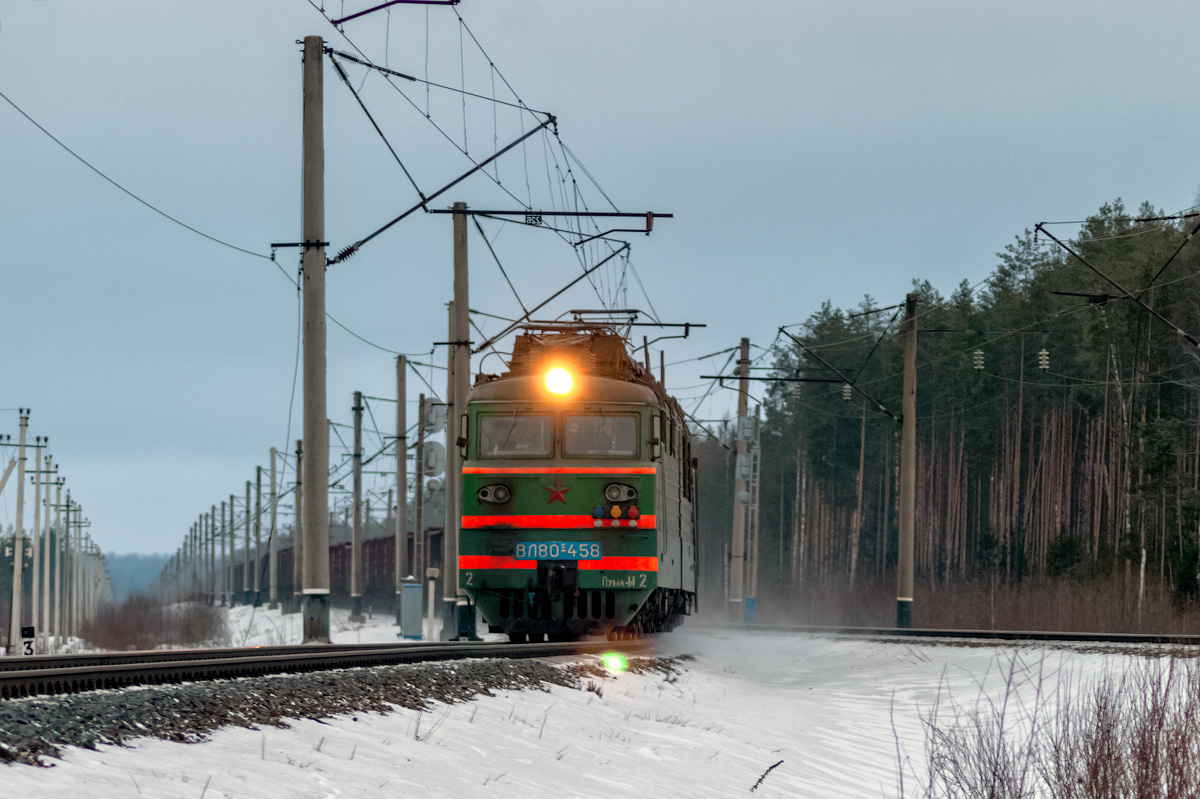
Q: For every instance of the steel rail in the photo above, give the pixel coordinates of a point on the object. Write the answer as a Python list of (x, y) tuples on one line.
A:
[(58, 674), (83, 659), (1159, 639)]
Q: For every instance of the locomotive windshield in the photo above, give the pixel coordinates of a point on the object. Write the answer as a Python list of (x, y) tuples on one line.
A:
[(515, 435), (600, 435)]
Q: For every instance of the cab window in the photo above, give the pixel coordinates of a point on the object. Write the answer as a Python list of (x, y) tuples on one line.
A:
[(515, 436), (600, 436)]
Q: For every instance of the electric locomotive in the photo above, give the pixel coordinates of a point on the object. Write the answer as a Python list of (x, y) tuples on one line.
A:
[(578, 492)]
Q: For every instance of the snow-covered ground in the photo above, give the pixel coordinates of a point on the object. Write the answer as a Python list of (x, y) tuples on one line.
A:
[(249, 626), (835, 712)]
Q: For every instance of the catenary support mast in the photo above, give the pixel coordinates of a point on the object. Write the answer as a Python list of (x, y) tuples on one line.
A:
[(14, 624), (272, 543), (356, 524), (908, 468), (403, 568), (737, 565), (316, 432)]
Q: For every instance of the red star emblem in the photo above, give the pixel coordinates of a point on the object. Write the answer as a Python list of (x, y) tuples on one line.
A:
[(557, 491)]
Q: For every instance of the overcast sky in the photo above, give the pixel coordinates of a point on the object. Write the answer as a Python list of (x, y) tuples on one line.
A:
[(809, 151)]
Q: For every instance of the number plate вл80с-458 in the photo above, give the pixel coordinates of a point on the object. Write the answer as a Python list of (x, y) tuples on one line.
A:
[(558, 550)]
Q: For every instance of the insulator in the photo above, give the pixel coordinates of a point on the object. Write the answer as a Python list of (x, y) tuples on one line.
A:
[(978, 356), (341, 72), (1043, 359), (846, 391), (346, 253)]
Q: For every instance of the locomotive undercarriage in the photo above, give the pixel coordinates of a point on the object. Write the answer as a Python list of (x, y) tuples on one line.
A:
[(554, 607), (661, 612)]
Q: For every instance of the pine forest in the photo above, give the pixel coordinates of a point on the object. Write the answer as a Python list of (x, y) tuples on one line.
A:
[(1058, 430)]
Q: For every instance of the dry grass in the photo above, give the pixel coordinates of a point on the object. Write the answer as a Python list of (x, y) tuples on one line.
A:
[(1132, 732), (1105, 604), (140, 622)]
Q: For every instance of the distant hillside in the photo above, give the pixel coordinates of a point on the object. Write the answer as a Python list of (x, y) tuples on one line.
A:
[(133, 573)]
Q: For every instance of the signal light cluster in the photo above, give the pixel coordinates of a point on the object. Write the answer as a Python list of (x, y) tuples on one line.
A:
[(616, 512)]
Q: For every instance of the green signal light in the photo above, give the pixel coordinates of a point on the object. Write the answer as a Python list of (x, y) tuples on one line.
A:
[(615, 662)]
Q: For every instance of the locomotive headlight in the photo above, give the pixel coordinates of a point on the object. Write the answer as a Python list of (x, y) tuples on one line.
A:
[(616, 492), (496, 493), (558, 380)]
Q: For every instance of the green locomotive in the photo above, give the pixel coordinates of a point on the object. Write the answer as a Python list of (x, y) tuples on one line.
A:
[(578, 492)]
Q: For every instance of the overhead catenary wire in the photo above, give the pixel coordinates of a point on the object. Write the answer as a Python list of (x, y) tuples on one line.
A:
[(346, 79), (496, 258), (128, 192)]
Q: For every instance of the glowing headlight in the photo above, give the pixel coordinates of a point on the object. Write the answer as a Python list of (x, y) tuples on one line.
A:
[(558, 380)]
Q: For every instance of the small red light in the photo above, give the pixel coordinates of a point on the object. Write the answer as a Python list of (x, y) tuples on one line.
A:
[(633, 512)]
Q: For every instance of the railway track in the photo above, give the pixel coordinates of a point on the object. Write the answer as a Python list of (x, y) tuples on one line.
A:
[(984, 635), (61, 674)]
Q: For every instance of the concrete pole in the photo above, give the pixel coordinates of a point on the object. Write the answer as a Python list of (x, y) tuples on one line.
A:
[(362, 581), (356, 534), (391, 508), (316, 434), (195, 562), (202, 557), (50, 564), (231, 531), (221, 574), (36, 542), (194, 559), (755, 484), (198, 559), (42, 619), (14, 621), (203, 534), (433, 603), (185, 580), (298, 533), (419, 498), (94, 583), (72, 521), (203, 553), (460, 351), (737, 564), (908, 468), (77, 574), (210, 553), (226, 556), (403, 568), (272, 543), (65, 586), (89, 564), (257, 578), (59, 551), (85, 552), (80, 579), (449, 538), (246, 553), (88, 581), (44, 624)]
